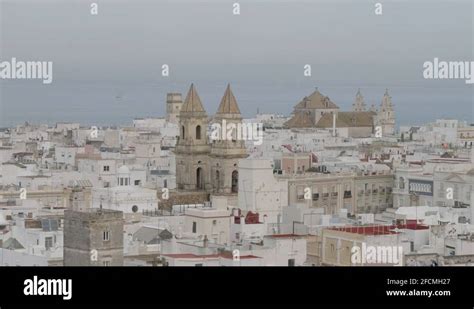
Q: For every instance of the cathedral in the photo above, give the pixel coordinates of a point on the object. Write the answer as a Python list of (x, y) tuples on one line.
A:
[(318, 111), (203, 165)]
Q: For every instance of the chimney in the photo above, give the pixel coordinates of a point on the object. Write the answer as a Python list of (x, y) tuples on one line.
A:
[(334, 124), (205, 241)]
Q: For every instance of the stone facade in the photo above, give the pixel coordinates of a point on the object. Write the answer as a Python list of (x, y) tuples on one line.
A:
[(386, 115), (318, 111), (358, 193), (174, 102), (183, 198), (203, 165), (95, 229)]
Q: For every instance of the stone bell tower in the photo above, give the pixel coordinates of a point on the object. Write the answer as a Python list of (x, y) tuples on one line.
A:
[(193, 149), (227, 150)]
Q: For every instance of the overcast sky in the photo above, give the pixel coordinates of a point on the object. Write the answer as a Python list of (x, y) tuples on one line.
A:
[(119, 53)]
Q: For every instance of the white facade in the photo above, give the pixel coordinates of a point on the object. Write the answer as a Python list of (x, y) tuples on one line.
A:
[(259, 190), (210, 222)]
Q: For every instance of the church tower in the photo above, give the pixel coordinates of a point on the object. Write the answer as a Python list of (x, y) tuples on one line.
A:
[(386, 115), (359, 104), (229, 148), (174, 102), (192, 149)]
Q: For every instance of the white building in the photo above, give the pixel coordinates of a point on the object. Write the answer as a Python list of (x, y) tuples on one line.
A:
[(259, 190), (208, 222)]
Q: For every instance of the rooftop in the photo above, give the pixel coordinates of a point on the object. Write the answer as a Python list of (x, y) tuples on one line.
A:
[(375, 230), (208, 256), (284, 236)]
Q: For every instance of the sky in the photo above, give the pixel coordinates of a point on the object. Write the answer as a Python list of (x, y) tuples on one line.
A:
[(107, 67)]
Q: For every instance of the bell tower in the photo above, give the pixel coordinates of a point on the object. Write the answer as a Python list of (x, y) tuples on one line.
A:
[(229, 148), (192, 149), (386, 115), (359, 104)]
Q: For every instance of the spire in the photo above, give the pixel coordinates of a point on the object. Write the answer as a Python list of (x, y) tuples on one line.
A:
[(386, 101), (192, 103), (228, 103), (359, 104)]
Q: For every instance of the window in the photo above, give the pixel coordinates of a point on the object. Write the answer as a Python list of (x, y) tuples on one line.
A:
[(137, 182), (199, 180), (134, 208), (315, 196), (194, 226), (218, 180), (165, 183), (291, 262), (235, 182), (198, 132), (182, 132), (106, 236), (106, 168), (48, 242)]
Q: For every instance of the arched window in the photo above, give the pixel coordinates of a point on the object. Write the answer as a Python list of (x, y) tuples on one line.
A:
[(218, 180), (182, 132), (198, 132), (199, 184), (235, 182)]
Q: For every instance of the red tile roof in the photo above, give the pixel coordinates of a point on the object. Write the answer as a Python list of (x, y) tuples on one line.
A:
[(380, 229)]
